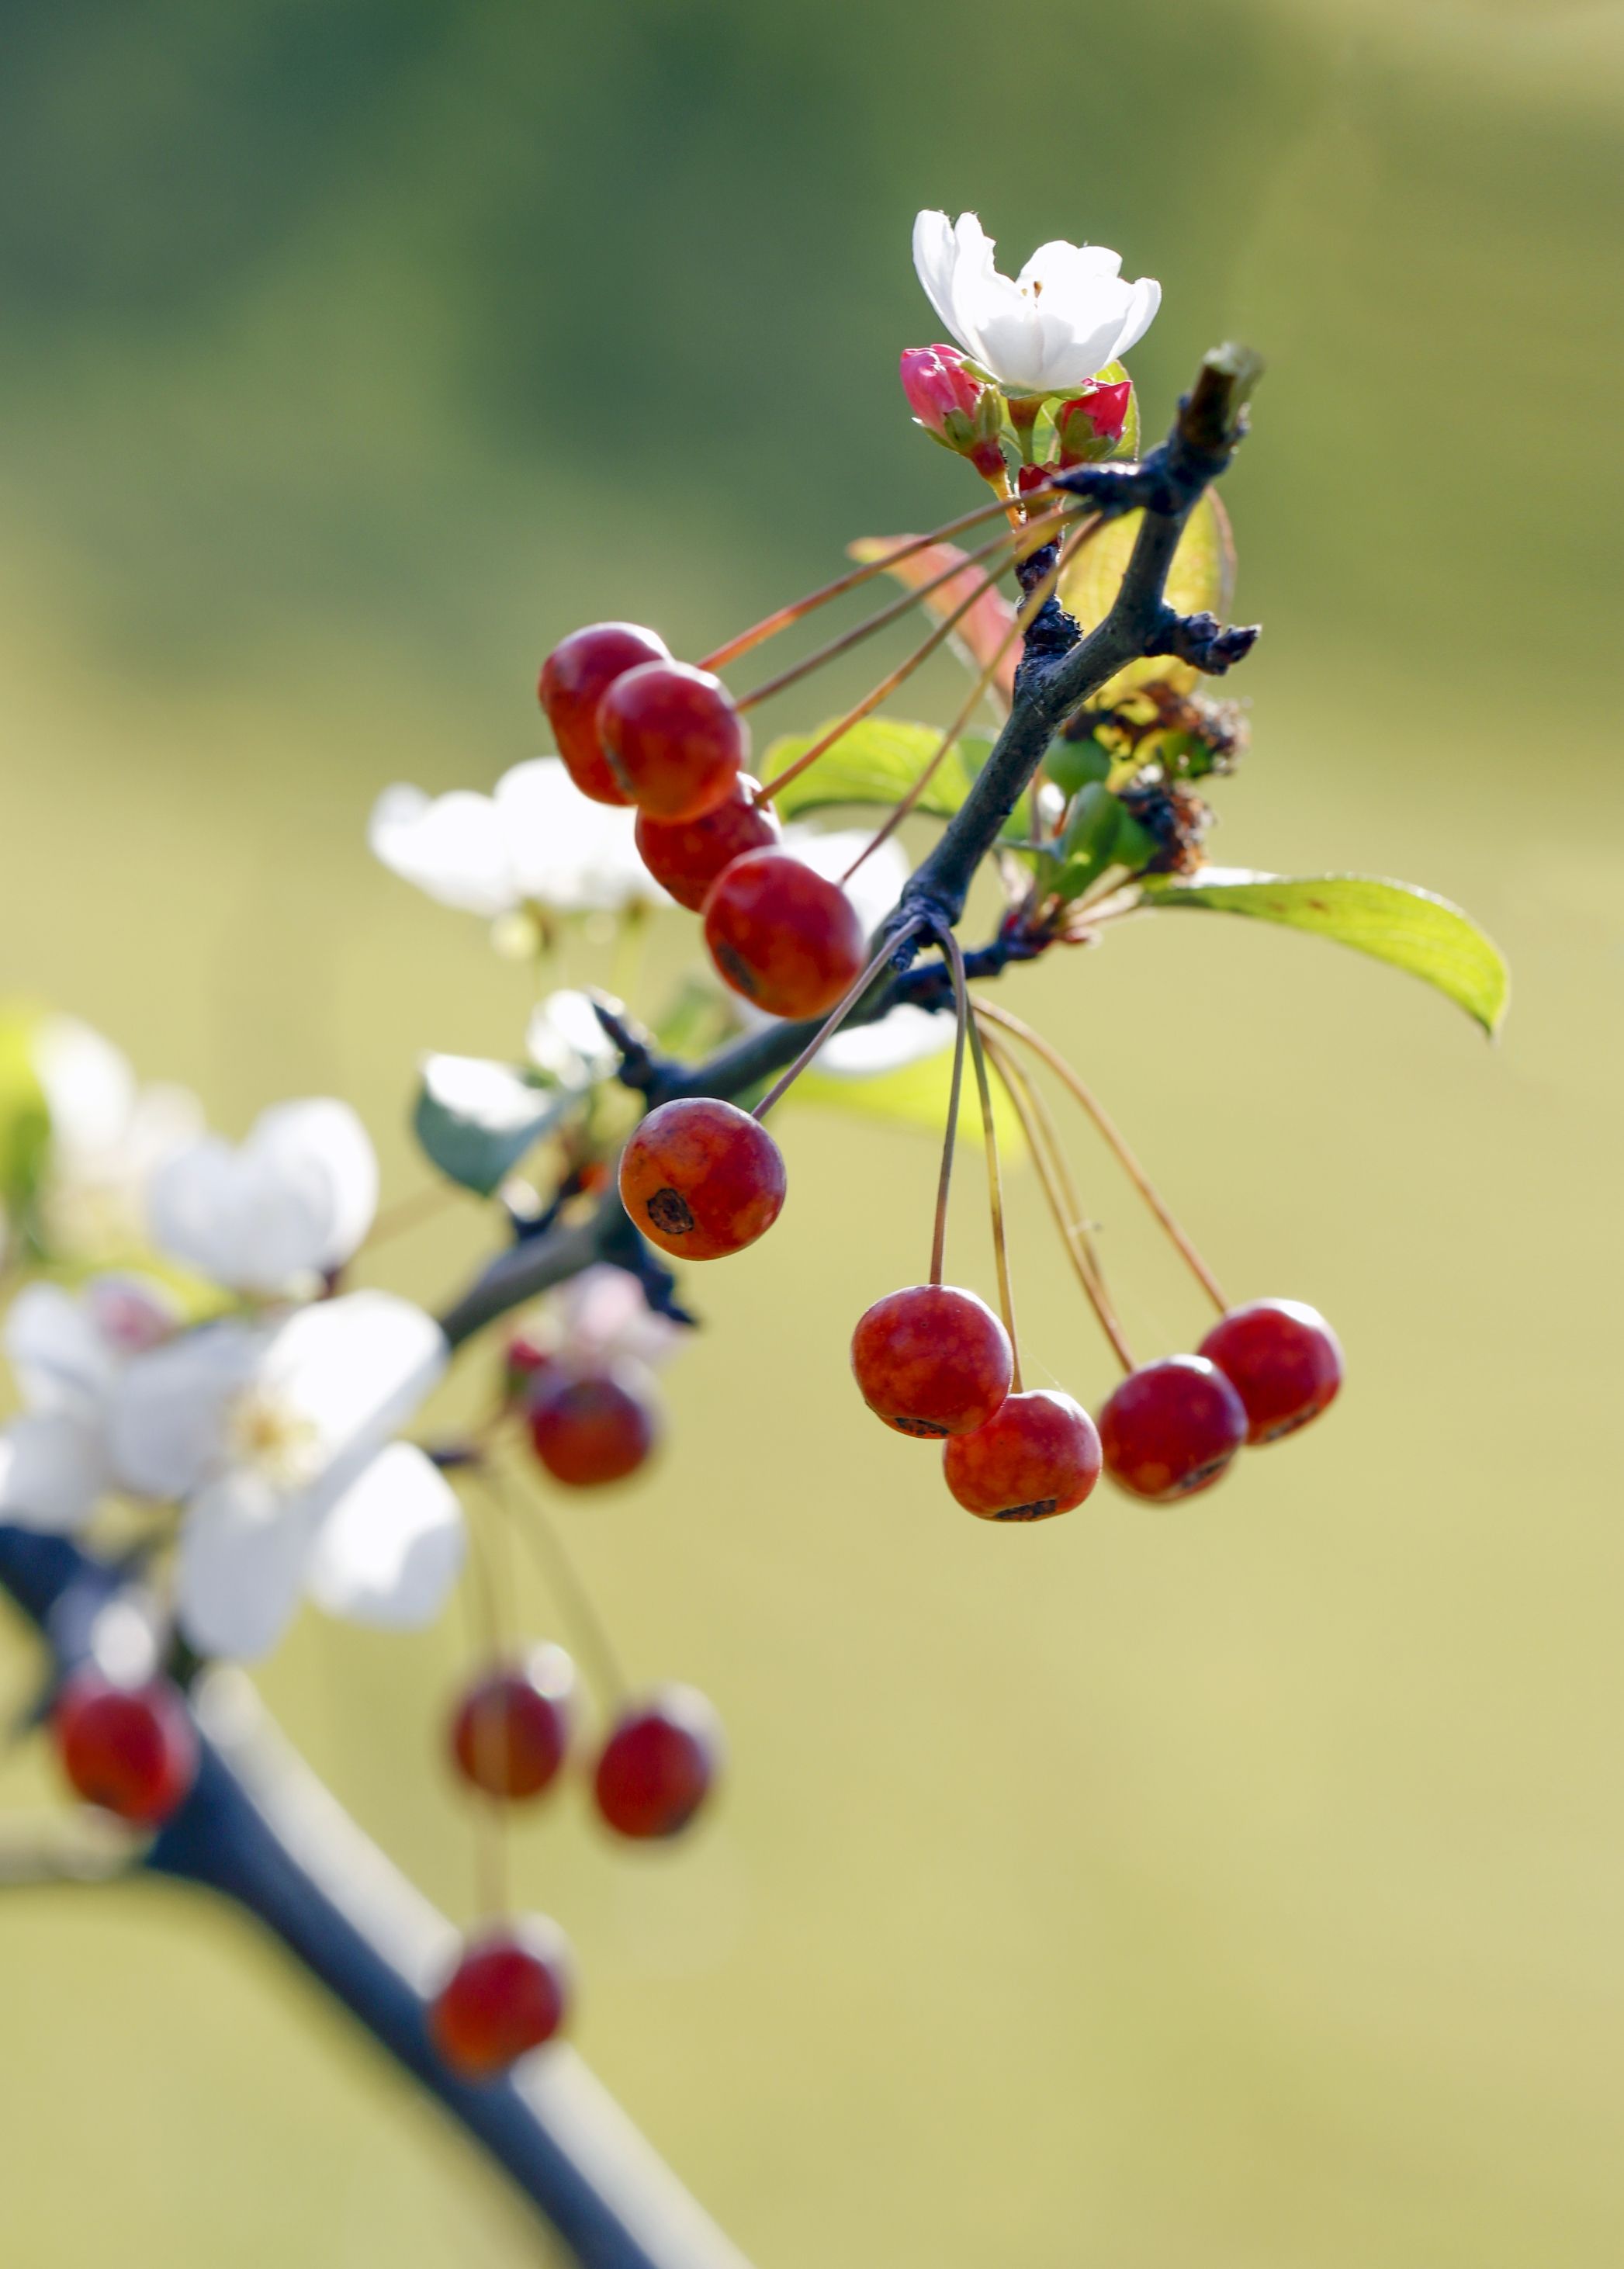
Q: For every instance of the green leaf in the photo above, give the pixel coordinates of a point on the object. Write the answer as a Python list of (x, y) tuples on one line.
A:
[(475, 1120), (1393, 922), (876, 763), (25, 1117), (1200, 579)]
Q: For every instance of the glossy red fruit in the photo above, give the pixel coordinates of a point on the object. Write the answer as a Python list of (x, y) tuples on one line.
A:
[(686, 856), (931, 1360), (1038, 1455), (1171, 1428), (1282, 1359), (511, 1730), (674, 740), (702, 1179), (575, 677), (591, 1429), (509, 1992), (133, 1750), (782, 936), (657, 1766)]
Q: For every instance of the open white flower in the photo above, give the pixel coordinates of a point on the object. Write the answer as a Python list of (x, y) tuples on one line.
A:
[(1066, 315), (109, 1136), (907, 1034), (536, 841), (293, 1202), (277, 1439), (67, 1351)]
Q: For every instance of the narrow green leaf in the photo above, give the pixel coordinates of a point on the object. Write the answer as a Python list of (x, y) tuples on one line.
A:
[(475, 1120), (876, 763), (1393, 922)]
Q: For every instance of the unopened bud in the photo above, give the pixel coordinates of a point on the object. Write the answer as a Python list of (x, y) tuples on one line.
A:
[(1090, 426), (954, 407)]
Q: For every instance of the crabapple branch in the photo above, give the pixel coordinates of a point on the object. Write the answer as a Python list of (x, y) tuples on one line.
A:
[(260, 1830)]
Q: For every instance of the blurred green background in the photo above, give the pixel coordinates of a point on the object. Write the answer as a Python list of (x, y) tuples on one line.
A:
[(1237, 1886)]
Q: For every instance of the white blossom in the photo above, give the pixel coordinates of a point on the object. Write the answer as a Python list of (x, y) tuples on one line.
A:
[(1065, 317), (275, 1437), (534, 840), (564, 1039), (109, 1136), (290, 1204), (601, 1320), (66, 1351)]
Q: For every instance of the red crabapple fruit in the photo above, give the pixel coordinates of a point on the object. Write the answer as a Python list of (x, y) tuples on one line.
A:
[(132, 1750), (701, 1179), (1282, 1359), (575, 677), (657, 1766), (1171, 1428), (511, 1730), (675, 743), (783, 936), (685, 857), (1038, 1455), (509, 1992), (592, 1428), (931, 1360)]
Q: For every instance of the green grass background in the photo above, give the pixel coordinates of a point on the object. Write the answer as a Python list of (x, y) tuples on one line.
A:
[(1237, 1886)]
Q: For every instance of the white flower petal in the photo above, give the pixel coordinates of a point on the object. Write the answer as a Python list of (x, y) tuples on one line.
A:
[(566, 851), (90, 1090), (1145, 298), (602, 1316), (1066, 315), (934, 251), (566, 1038), (167, 1414), (392, 1546), (53, 1468), (320, 1150), (241, 1563), (61, 1360), (354, 1369), (452, 847)]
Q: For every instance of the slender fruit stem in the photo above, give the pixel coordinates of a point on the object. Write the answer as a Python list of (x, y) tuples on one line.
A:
[(1036, 599), (1011, 547), (1115, 1140), (838, 1016), (781, 618), (406, 1212), (989, 1132), (1025, 1103), (950, 1136), (492, 1874), (585, 1627)]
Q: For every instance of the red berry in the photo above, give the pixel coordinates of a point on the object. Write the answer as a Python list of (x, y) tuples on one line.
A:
[(1282, 1359), (133, 1750), (782, 936), (1171, 1428), (511, 1728), (575, 677), (591, 1430), (701, 1179), (658, 1763), (931, 1360), (1038, 1455), (509, 1992), (674, 740), (686, 856)]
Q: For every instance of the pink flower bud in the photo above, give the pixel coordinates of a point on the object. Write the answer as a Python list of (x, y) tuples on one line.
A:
[(955, 409), (1091, 424)]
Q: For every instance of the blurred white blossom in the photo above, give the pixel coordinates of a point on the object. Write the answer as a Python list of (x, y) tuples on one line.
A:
[(565, 1040), (66, 1351), (599, 1320), (1057, 325), (108, 1136), (276, 1213), (534, 840), (275, 1436)]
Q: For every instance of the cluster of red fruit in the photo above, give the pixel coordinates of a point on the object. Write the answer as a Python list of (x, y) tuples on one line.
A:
[(510, 1737), (634, 726), (705, 1179)]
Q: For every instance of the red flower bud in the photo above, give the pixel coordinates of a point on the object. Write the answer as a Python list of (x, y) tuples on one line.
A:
[(1091, 424), (955, 409)]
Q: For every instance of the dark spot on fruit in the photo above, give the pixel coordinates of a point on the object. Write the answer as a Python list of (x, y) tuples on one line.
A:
[(921, 1428), (1203, 1474), (735, 968), (669, 1210), (1039, 1509)]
